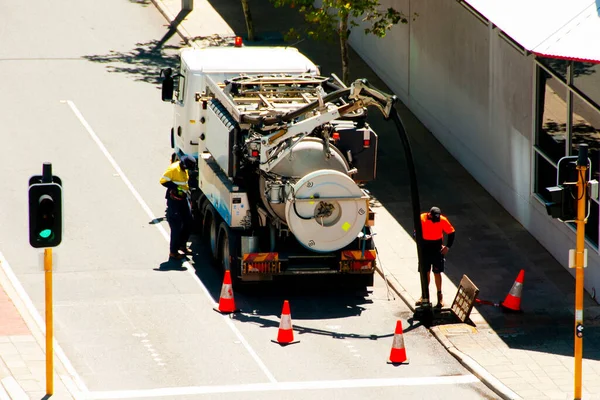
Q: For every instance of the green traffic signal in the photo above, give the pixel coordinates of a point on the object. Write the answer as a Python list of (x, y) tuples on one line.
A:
[(45, 233)]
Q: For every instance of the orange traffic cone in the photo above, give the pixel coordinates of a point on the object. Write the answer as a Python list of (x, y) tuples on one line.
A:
[(286, 332), (226, 302), (398, 353), (512, 302)]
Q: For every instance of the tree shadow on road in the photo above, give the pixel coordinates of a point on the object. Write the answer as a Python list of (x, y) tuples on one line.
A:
[(146, 60), (143, 63)]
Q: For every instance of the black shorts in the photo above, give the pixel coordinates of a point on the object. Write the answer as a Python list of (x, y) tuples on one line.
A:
[(433, 260)]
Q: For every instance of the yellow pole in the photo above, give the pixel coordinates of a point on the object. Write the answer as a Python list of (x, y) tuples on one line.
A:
[(49, 333), (579, 262)]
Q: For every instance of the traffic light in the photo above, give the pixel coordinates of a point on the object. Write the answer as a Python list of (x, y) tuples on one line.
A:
[(45, 214), (564, 196), (563, 203)]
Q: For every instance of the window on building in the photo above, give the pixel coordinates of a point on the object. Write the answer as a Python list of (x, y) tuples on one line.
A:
[(545, 173), (591, 226), (586, 129), (558, 67), (586, 78), (552, 116), (551, 127)]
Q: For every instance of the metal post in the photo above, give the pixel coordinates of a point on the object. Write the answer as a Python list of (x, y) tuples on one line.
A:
[(47, 178), (47, 172), (582, 167), (187, 5), (49, 330)]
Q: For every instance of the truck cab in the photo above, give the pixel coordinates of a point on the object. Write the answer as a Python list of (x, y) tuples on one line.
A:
[(222, 63)]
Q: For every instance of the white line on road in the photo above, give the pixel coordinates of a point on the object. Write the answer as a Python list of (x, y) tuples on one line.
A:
[(165, 235), (285, 386)]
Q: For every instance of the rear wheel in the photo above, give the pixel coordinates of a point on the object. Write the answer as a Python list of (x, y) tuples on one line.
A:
[(210, 224), (198, 205)]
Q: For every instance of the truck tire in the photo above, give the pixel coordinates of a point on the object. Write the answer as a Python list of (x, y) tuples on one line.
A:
[(229, 251), (210, 226), (198, 213)]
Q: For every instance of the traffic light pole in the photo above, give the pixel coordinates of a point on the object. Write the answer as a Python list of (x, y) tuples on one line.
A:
[(582, 167), (47, 178), (49, 324)]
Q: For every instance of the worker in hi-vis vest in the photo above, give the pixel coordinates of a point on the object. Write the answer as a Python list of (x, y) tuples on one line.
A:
[(179, 213), (433, 250)]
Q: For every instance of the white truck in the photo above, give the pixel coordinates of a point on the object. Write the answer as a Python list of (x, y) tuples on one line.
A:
[(282, 156)]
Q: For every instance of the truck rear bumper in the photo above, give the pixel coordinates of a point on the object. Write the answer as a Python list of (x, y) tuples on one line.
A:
[(266, 266)]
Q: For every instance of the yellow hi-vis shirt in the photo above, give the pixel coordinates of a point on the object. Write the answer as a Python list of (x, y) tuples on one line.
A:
[(176, 175)]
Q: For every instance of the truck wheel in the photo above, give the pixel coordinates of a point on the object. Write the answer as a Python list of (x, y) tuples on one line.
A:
[(210, 225), (197, 213), (229, 248)]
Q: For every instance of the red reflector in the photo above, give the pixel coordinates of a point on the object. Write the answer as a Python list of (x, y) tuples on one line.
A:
[(335, 136), (254, 153), (237, 41), (366, 143)]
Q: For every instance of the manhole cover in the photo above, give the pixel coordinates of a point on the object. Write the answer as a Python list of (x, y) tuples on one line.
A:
[(457, 329)]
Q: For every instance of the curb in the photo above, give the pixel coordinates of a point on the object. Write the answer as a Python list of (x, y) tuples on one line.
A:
[(63, 370), (3, 394), (13, 390), (471, 365)]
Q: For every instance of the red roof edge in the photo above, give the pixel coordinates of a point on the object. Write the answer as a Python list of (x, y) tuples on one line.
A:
[(566, 58)]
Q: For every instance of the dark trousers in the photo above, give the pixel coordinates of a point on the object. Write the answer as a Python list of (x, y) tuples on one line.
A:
[(179, 216)]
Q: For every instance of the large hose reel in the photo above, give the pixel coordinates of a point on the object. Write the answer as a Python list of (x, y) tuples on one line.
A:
[(326, 210)]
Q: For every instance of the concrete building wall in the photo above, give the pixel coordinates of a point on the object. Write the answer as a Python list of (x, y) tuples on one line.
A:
[(475, 92)]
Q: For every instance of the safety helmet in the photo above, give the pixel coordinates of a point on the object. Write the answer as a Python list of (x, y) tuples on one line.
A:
[(188, 162)]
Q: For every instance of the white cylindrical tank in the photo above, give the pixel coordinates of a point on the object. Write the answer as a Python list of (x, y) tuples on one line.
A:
[(326, 210)]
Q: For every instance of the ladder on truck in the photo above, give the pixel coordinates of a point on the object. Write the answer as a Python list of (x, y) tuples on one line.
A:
[(250, 96)]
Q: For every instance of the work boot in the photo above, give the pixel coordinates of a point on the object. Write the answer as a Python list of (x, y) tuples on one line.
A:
[(440, 302), (176, 256)]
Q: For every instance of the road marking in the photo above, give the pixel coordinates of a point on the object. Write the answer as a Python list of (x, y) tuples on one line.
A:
[(190, 268), (285, 386)]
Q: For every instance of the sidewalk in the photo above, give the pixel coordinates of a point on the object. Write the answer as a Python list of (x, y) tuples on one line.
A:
[(22, 348), (527, 355)]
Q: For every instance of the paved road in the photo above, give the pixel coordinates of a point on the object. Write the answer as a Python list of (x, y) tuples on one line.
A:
[(83, 94)]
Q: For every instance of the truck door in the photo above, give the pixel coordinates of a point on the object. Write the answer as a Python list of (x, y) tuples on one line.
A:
[(179, 115)]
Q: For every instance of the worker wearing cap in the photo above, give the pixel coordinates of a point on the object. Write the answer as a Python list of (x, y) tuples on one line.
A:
[(179, 214), (433, 250)]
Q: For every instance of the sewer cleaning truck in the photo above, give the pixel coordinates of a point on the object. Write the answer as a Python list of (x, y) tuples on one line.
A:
[(283, 154)]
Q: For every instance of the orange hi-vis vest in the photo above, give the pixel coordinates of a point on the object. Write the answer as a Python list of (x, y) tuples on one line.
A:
[(434, 230)]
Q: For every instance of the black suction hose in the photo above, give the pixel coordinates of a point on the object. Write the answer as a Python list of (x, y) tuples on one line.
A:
[(416, 205)]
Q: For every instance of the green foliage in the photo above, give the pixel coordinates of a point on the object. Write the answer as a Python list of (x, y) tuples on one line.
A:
[(334, 18)]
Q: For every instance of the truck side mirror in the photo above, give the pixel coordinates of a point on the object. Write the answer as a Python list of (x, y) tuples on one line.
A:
[(167, 84)]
